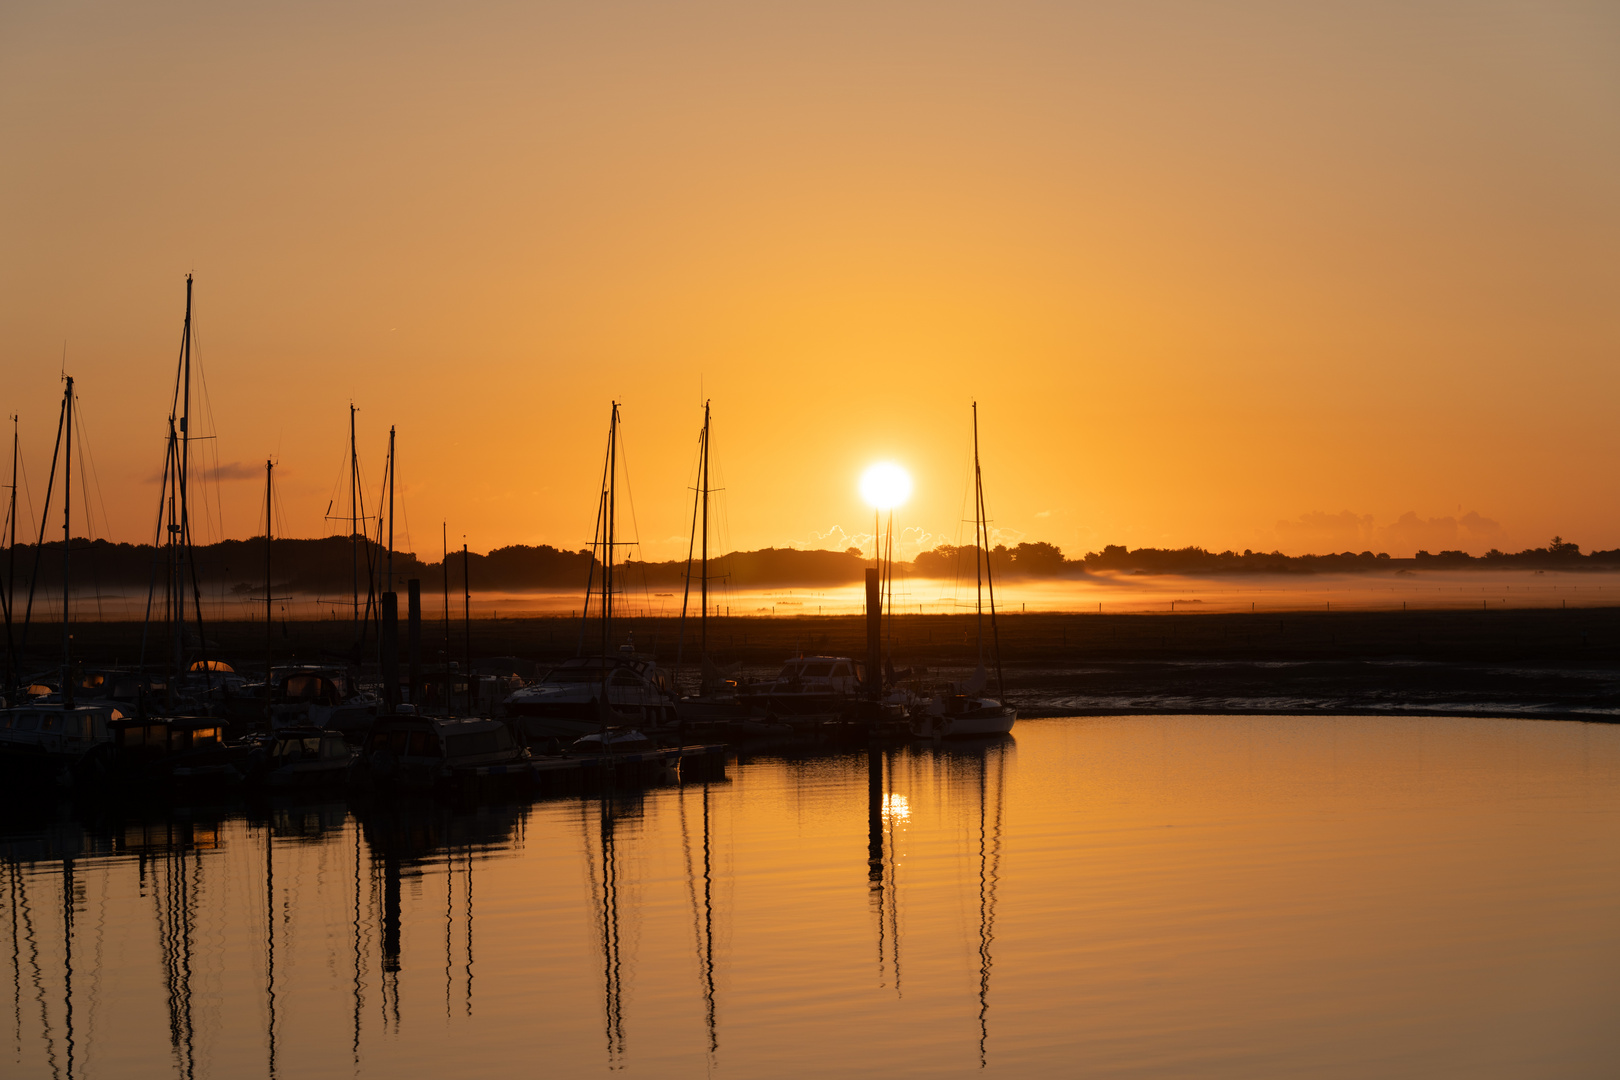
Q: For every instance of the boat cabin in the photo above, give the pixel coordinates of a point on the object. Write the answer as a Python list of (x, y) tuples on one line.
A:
[(428, 749), (55, 729), (155, 736)]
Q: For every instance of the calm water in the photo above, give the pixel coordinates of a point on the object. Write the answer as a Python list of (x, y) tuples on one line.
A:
[(1171, 896)]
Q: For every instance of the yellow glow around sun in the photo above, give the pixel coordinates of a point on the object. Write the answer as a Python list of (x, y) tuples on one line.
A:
[(885, 485)]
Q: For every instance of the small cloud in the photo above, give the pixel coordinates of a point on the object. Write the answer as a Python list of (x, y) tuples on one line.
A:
[(235, 470), (239, 470), (1043, 513)]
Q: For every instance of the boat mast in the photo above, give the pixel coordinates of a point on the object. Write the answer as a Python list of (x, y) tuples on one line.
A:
[(466, 622), (180, 436), (388, 585), (354, 531), (989, 575), (67, 522), (703, 622), (444, 565), (606, 706), (612, 497), (11, 572), (269, 637)]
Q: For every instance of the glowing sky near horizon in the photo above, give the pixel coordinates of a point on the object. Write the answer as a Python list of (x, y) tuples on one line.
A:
[(1252, 275)]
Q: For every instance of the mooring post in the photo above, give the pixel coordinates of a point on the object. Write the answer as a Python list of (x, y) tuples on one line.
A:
[(413, 637), (874, 635), (390, 650)]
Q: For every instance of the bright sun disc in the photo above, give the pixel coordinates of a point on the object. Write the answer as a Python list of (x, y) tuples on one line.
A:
[(885, 485)]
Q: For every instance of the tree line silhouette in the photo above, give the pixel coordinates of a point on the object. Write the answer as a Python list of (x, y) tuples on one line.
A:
[(331, 565)]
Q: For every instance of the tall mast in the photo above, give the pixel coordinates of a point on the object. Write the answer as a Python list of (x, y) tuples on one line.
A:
[(180, 434), (388, 585), (67, 522), (981, 541), (605, 704), (444, 564), (703, 623), (613, 517), (607, 567), (354, 528), (989, 575), (269, 637), (466, 622), (11, 572)]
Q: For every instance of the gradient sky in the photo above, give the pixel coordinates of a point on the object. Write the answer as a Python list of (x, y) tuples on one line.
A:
[(1243, 275)]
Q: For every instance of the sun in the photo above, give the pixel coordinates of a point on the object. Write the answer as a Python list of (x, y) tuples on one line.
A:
[(885, 485)]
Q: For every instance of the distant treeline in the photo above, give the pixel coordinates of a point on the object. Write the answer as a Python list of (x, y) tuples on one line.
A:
[(330, 566)]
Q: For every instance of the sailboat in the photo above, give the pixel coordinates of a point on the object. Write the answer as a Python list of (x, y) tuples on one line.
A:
[(965, 711), (42, 738), (589, 693), (716, 703), (185, 745)]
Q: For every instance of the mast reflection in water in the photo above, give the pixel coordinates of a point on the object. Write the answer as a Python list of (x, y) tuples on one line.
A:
[(1186, 896)]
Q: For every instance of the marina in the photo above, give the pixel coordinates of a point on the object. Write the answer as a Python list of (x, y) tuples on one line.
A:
[(810, 540)]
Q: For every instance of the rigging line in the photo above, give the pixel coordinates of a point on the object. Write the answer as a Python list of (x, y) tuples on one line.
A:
[(691, 544), (635, 527), (28, 490), (39, 549), (84, 495), (151, 586)]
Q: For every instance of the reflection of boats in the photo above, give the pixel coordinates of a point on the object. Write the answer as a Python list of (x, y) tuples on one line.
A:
[(807, 686), (964, 711), (406, 750), (568, 700)]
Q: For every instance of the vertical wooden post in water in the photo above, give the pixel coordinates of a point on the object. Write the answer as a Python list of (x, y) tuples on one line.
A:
[(874, 634), (388, 641), (413, 638)]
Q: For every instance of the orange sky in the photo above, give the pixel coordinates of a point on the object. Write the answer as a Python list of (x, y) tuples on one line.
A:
[(1209, 270)]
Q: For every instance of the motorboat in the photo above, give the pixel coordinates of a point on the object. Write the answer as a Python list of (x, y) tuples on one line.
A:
[(299, 757), (614, 742), (41, 739), (957, 714), (567, 701), (409, 750), (807, 686), (163, 752)]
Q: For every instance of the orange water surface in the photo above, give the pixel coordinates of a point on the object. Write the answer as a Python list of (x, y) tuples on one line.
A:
[(1145, 896)]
